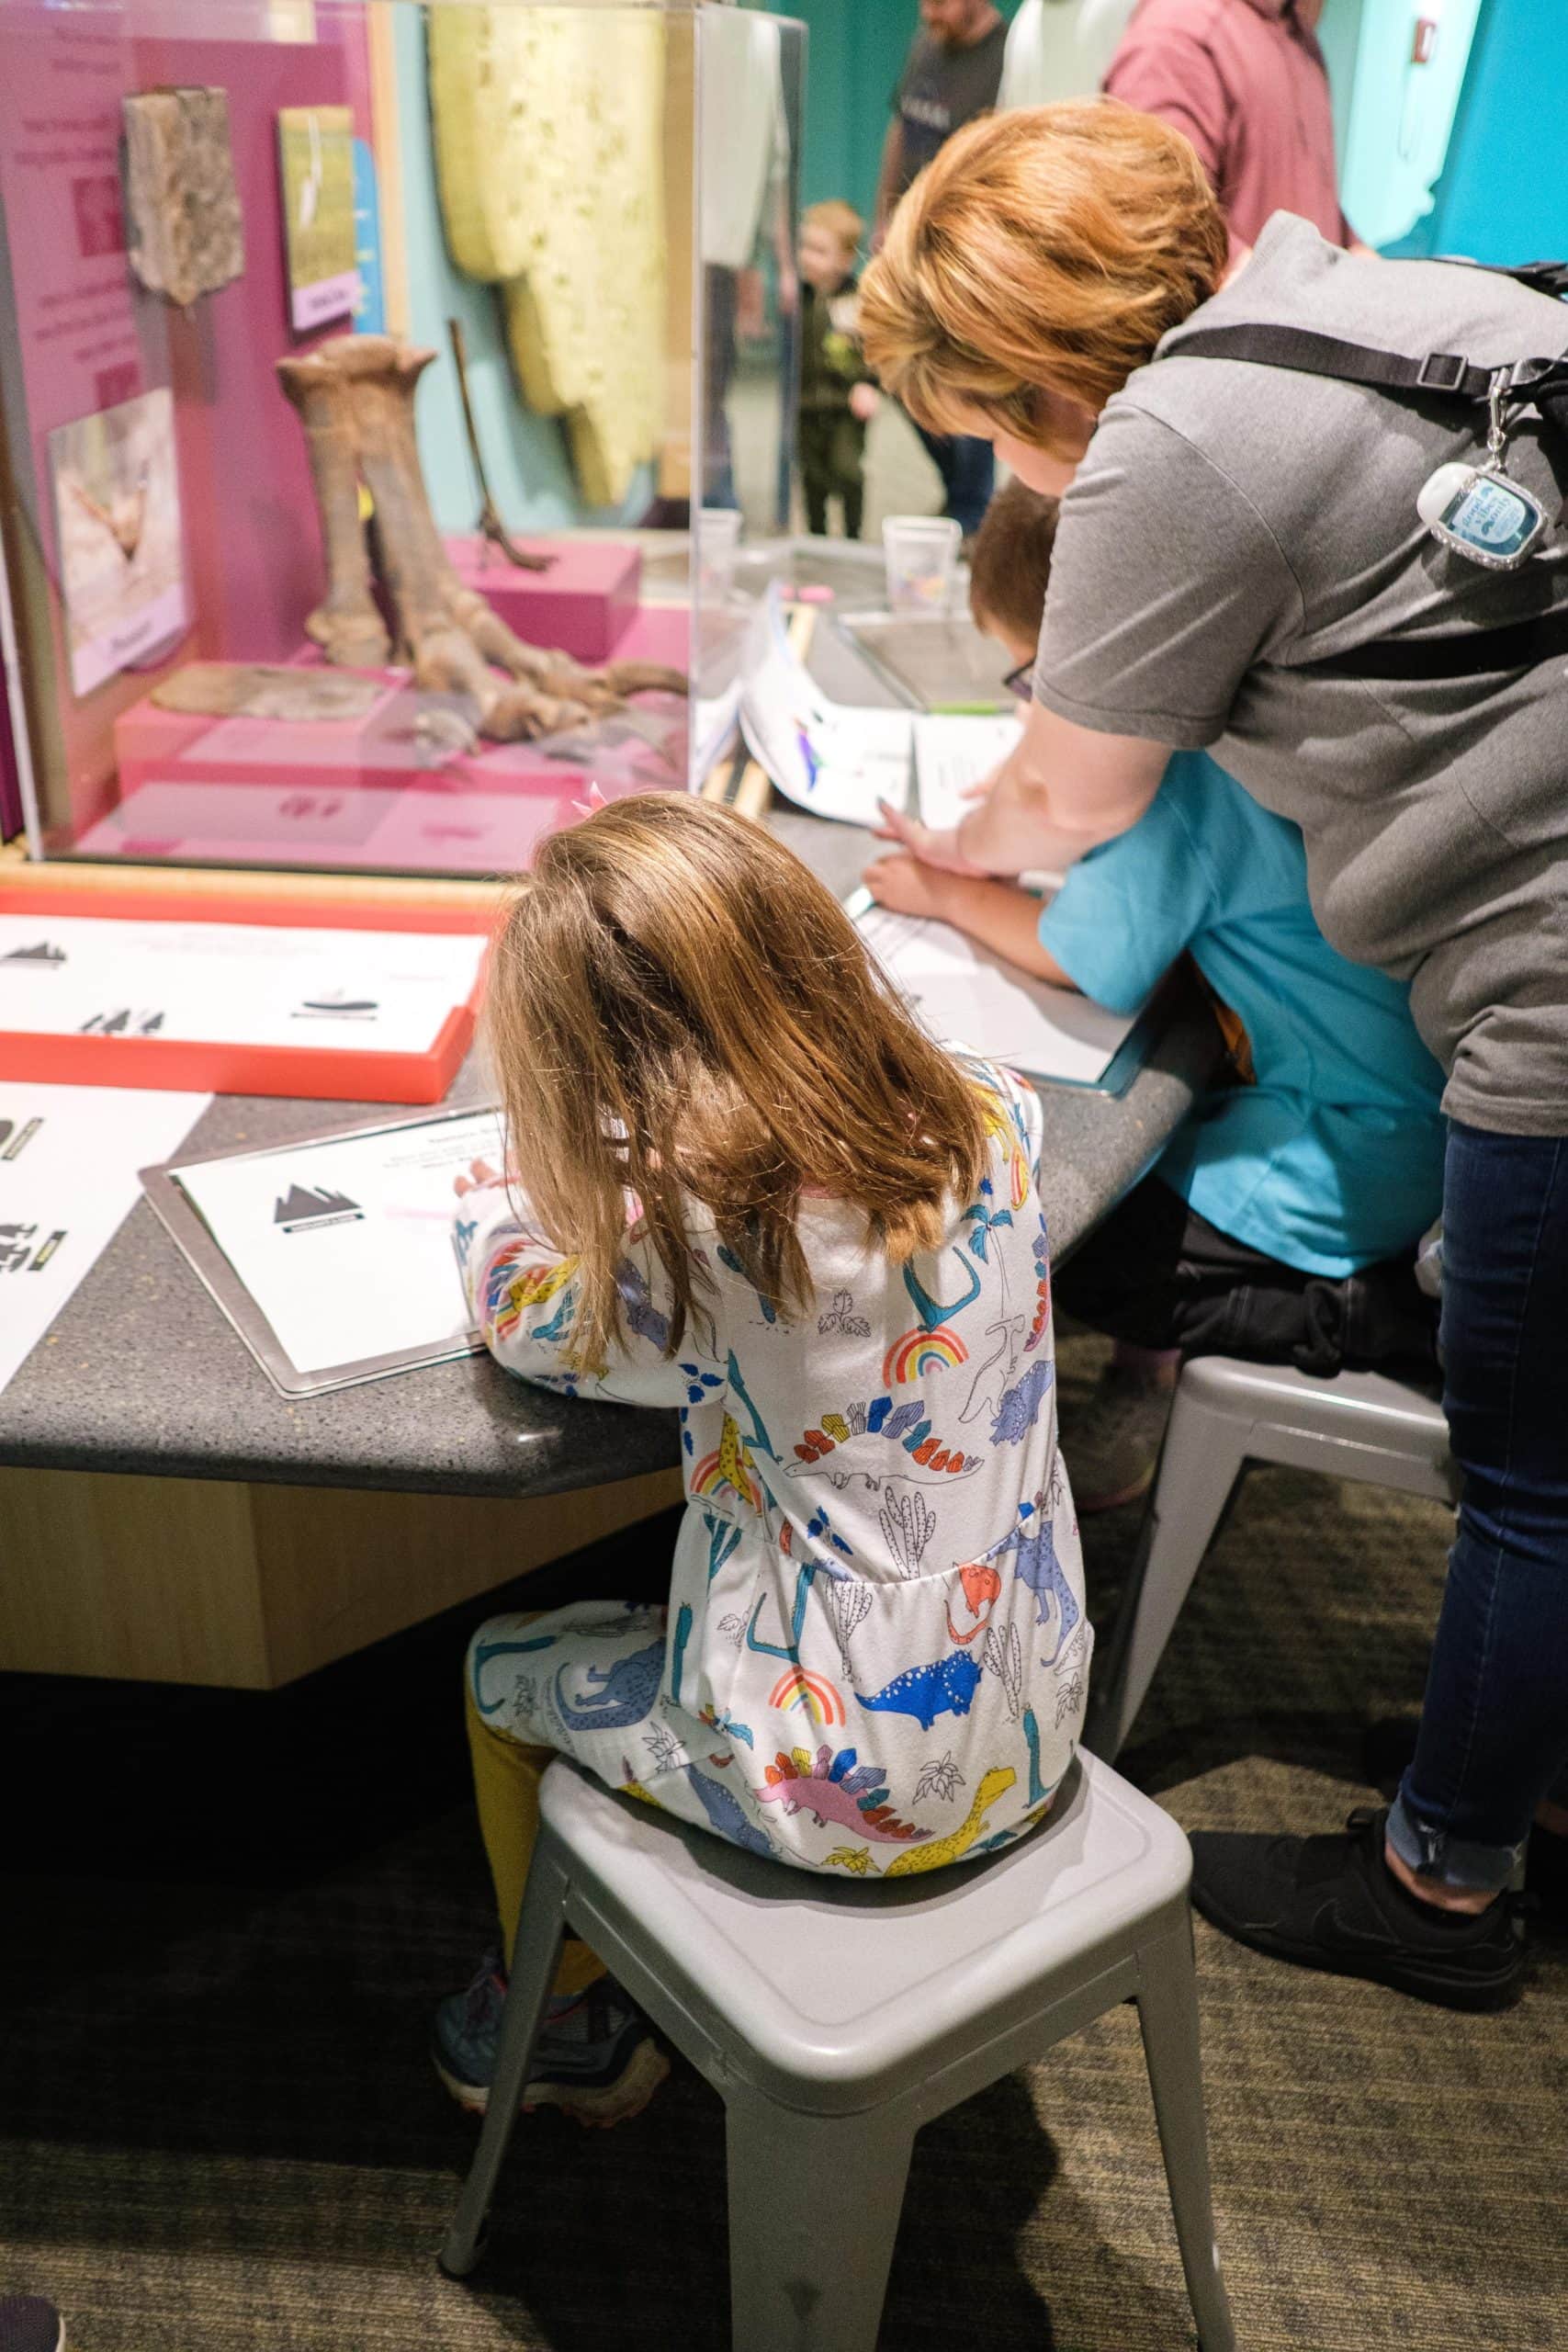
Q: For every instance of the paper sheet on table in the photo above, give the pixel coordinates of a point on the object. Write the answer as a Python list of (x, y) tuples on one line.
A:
[(68, 1158), (246, 984), (953, 753), (961, 992), (715, 718), (836, 759), (346, 1246)]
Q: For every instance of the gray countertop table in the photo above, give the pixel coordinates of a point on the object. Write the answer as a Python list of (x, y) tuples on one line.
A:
[(142, 1374)]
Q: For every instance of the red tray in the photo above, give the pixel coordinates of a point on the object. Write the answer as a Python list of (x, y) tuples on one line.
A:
[(336, 1073)]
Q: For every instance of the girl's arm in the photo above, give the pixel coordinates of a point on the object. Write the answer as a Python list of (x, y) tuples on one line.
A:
[(1063, 791), (522, 1298), (998, 914)]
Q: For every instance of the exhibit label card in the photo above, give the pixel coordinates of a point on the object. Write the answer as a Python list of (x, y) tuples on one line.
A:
[(69, 1163), (121, 558), (315, 148), (233, 983), (346, 1246)]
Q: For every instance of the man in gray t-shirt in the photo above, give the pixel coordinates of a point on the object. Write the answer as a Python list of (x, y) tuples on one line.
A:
[(952, 73), (1433, 810)]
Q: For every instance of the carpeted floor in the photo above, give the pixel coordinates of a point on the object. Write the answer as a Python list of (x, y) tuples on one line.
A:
[(224, 1921)]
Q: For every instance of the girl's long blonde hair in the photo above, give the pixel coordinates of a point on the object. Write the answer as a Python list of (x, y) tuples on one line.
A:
[(677, 1008), (1048, 248)]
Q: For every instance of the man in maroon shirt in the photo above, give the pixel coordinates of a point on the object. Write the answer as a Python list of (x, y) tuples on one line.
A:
[(1245, 81)]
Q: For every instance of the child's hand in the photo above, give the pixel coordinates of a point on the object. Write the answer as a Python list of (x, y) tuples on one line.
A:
[(480, 1172), (930, 845), (864, 401), (905, 886)]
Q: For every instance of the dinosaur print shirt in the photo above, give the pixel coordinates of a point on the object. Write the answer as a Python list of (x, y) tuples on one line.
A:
[(877, 1651)]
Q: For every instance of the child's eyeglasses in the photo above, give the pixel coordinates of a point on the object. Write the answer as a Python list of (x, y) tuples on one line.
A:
[(1021, 682)]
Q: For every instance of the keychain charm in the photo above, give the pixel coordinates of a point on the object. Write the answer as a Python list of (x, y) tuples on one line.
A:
[(1477, 510)]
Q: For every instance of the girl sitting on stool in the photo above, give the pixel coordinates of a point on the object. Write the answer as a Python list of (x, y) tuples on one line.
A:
[(748, 1186)]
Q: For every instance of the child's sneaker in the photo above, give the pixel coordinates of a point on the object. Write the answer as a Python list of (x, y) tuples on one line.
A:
[(1113, 1446), (595, 2056), (30, 2323)]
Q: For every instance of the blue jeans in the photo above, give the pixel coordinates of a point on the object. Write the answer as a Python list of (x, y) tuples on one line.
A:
[(968, 470), (1494, 1736)]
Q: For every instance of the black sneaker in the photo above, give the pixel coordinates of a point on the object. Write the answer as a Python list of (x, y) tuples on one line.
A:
[(29, 2324), (1388, 1748), (1331, 1903)]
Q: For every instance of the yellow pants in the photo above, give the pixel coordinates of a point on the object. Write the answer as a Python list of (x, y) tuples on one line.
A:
[(506, 1790)]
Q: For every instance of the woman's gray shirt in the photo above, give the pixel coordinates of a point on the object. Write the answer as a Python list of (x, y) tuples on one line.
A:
[(1232, 523)]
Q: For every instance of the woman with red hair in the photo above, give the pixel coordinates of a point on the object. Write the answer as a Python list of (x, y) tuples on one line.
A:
[(1267, 463)]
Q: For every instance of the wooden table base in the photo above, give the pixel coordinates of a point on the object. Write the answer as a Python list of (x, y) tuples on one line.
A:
[(200, 1580)]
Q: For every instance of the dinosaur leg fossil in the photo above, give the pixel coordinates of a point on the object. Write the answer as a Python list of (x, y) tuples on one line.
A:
[(347, 623), (452, 637)]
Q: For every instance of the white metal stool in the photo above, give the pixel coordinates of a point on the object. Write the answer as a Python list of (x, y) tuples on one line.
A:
[(835, 2017), (1227, 1413)]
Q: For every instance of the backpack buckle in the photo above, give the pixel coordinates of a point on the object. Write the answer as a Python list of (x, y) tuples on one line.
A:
[(1442, 371)]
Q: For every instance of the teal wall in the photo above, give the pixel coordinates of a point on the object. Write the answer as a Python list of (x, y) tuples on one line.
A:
[(1339, 31), (855, 54), (1503, 195), (526, 456)]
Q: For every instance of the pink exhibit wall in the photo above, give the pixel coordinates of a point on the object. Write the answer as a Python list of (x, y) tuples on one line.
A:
[(87, 336), (10, 781)]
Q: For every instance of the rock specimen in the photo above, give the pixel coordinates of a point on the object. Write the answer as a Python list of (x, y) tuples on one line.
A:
[(265, 690), (184, 232), (354, 394)]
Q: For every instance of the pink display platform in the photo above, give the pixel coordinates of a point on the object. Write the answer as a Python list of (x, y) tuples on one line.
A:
[(370, 831), (378, 794), (585, 603)]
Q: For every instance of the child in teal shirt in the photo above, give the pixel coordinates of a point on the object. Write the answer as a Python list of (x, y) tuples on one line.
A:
[(1281, 1220)]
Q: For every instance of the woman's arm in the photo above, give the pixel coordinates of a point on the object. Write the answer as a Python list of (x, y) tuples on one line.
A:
[(1063, 791), (998, 914)]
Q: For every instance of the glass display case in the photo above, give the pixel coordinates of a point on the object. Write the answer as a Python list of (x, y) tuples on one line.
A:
[(387, 392)]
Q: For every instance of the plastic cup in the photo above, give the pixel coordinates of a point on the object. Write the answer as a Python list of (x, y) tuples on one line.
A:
[(719, 542), (921, 552)]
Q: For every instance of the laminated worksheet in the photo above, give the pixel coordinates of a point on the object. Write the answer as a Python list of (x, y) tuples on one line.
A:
[(334, 1257), (240, 983), (836, 759), (953, 752), (963, 995), (69, 1157)]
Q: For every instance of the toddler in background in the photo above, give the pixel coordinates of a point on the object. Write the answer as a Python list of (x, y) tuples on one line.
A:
[(1281, 1222), (756, 1191), (837, 394)]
